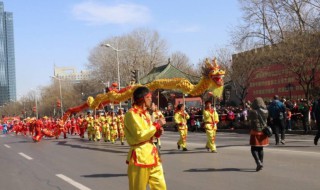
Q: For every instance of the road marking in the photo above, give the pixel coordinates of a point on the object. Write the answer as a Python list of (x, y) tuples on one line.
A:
[(25, 156), (72, 182), (7, 146)]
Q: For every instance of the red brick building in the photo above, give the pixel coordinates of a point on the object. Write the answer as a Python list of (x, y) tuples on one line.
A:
[(276, 79)]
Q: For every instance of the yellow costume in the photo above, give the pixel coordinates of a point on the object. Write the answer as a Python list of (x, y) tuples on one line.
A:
[(90, 127), (113, 128), (180, 118), (120, 123), (96, 130), (105, 128), (210, 119), (144, 164), (156, 115), (108, 122)]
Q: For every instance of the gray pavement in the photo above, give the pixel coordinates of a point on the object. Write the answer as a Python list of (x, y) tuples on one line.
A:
[(75, 163)]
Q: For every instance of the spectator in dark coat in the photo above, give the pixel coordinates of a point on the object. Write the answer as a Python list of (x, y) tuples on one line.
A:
[(277, 118), (316, 117), (258, 120)]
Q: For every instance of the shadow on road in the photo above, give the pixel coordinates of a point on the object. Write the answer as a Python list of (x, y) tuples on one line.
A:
[(24, 141), (64, 143), (220, 170), (175, 151), (105, 175)]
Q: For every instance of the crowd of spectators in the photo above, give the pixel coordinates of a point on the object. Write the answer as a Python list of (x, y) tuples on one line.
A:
[(297, 116)]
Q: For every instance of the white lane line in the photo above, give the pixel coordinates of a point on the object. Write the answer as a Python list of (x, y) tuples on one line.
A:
[(72, 182), (25, 156), (7, 146)]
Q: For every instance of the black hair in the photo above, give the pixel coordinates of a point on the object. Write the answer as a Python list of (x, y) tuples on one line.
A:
[(139, 93), (207, 102), (179, 106)]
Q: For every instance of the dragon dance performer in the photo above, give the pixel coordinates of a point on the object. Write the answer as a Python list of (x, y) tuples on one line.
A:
[(38, 125), (103, 123), (180, 118), (96, 129), (90, 123), (120, 123), (30, 126), (60, 128), (73, 127), (156, 115), (210, 119), (107, 122), (17, 128), (82, 123), (113, 127), (144, 164)]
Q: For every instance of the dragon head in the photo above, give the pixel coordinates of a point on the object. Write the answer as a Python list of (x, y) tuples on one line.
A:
[(213, 71)]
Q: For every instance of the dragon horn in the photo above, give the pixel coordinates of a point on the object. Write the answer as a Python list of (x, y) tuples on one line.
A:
[(208, 65), (214, 62)]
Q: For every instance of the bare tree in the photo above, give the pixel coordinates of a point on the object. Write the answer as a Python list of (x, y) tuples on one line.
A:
[(243, 70), (182, 62), (140, 50), (224, 58), (300, 54), (290, 27), (268, 22)]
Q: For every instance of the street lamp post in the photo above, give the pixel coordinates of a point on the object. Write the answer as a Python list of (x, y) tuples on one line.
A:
[(61, 108), (118, 63), (117, 57)]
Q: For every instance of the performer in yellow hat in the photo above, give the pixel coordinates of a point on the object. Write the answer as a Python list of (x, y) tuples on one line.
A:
[(144, 164)]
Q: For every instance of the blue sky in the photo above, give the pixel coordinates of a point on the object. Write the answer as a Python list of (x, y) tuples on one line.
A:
[(63, 32)]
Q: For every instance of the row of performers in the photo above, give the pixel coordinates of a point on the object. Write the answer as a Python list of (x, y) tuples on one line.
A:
[(108, 127)]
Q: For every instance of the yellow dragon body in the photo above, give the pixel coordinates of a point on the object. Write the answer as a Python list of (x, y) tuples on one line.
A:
[(211, 80)]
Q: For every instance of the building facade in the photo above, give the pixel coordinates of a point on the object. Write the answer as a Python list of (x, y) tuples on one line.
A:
[(70, 74), (7, 57), (273, 79)]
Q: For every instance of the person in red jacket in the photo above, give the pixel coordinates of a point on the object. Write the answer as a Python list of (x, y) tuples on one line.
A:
[(38, 125)]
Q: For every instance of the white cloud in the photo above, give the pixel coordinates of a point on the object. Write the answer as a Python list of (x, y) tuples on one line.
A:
[(99, 14)]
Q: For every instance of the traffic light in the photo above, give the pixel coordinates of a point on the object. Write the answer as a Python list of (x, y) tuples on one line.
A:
[(58, 104), (34, 109), (135, 76)]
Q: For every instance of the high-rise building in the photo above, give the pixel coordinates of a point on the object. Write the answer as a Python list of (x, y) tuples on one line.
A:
[(7, 57)]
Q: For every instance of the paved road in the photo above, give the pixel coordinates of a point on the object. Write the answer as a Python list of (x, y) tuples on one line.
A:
[(80, 164)]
